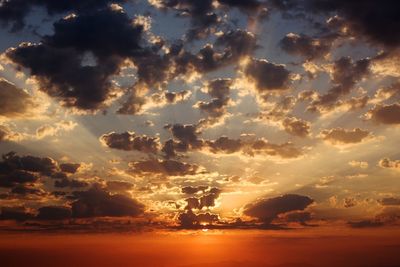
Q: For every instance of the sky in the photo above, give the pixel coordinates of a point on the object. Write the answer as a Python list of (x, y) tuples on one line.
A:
[(252, 118)]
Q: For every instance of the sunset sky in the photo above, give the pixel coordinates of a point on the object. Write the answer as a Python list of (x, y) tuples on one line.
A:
[(199, 119)]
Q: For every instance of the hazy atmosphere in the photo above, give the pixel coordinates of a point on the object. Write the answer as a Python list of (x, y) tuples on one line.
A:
[(200, 133)]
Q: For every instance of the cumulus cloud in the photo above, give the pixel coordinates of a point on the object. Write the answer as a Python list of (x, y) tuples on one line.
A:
[(345, 74), (190, 220), (164, 167), (107, 34), (97, 202), (219, 90), (129, 141), (297, 127), (190, 190), (185, 137), (14, 11), (267, 76), (389, 164), (15, 102), (70, 167), (267, 210), (370, 19), (308, 47), (54, 213), (385, 114), (226, 145), (16, 213), (340, 136)]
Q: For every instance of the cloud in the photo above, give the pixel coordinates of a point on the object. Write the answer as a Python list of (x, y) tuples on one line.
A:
[(266, 210), (14, 11), (185, 138), (301, 217), (54, 213), (340, 136), (389, 164), (119, 186), (267, 76), (15, 213), (27, 164), (345, 74), (190, 190), (365, 224), (106, 35), (372, 20), (70, 167), (49, 130), (390, 201), (71, 183), (129, 141), (96, 202), (385, 114), (238, 44), (15, 102), (359, 164), (219, 89), (164, 167), (189, 220), (6, 134), (297, 127), (308, 47), (226, 145)]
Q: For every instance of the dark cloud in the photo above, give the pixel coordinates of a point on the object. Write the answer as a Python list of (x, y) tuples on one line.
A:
[(15, 213), (237, 44), (23, 190), (284, 150), (377, 21), (185, 138), (15, 102), (343, 136), (117, 186), (365, 224), (70, 167), (344, 76), (219, 89), (308, 47), (390, 201), (249, 5), (107, 34), (190, 190), (173, 97), (267, 76), (301, 217), (267, 210), (54, 213), (71, 183), (96, 202), (225, 145), (14, 11), (201, 13), (297, 127), (385, 114), (165, 167), (189, 220), (129, 141), (11, 162), (14, 177)]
